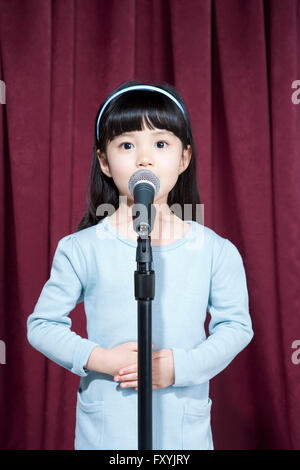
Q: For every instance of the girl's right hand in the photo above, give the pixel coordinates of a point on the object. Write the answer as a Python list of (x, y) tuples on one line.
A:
[(121, 356)]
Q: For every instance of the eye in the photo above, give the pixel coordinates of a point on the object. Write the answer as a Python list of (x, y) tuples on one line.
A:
[(125, 143), (159, 142), (162, 142)]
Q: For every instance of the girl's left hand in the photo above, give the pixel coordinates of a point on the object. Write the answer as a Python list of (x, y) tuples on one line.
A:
[(162, 371)]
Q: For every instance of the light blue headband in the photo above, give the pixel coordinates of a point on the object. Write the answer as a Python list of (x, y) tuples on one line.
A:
[(138, 87)]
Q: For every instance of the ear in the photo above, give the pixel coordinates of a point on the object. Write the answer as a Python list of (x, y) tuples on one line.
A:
[(103, 163), (185, 159)]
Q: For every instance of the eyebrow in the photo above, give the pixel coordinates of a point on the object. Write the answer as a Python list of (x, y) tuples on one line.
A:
[(154, 132)]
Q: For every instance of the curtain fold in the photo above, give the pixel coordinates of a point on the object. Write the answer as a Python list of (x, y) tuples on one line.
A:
[(234, 63)]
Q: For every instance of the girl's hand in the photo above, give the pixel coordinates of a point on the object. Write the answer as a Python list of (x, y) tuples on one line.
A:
[(116, 358), (162, 371)]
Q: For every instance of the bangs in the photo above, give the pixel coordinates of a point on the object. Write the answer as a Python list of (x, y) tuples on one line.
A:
[(137, 108)]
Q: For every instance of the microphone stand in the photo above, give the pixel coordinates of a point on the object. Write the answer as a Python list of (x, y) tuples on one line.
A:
[(144, 287)]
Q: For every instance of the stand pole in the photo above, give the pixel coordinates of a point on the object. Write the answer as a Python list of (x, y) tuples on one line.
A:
[(144, 285)]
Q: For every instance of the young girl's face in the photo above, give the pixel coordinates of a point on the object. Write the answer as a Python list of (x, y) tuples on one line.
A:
[(157, 150)]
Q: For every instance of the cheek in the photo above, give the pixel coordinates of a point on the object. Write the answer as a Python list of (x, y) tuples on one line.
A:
[(121, 173), (170, 160), (119, 168), (169, 169), (167, 182), (169, 173)]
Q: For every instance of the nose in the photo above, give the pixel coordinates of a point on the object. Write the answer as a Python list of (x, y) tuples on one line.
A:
[(144, 160)]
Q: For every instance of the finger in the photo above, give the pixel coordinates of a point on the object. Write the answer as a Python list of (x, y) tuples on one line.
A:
[(128, 369), (128, 372), (126, 377), (156, 354), (134, 345), (132, 383)]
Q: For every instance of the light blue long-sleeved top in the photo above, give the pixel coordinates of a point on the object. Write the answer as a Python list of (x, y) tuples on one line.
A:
[(199, 273)]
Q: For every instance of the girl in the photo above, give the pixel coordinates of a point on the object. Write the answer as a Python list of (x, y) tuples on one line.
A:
[(143, 126)]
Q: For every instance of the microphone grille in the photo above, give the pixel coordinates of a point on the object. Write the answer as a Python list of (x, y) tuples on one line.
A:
[(146, 176)]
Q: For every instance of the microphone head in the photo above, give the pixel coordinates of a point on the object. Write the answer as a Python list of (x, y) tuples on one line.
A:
[(143, 176)]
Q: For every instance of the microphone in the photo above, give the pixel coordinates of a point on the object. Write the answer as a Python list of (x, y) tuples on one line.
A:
[(143, 186)]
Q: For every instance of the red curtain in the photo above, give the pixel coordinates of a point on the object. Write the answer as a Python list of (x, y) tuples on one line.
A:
[(236, 64)]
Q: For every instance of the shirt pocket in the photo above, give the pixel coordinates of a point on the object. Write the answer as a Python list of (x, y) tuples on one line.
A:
[(196, 430), (89, 424)]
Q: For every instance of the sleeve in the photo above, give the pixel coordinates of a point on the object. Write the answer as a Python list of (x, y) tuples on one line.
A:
[(230, 326), (49, 326)]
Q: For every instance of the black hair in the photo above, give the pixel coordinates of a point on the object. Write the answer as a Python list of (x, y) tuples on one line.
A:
[(128, 112)]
